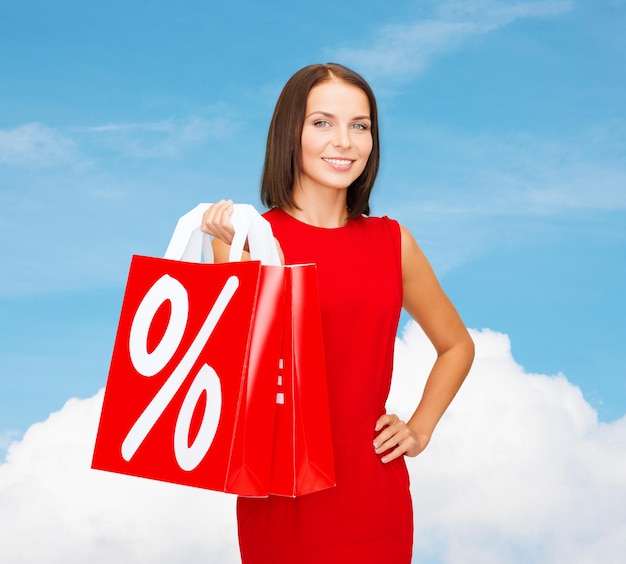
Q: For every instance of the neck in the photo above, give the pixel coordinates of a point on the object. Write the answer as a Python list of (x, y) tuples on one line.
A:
[(328, 212)]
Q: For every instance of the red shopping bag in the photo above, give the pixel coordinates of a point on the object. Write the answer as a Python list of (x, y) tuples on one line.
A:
[(204, 355)]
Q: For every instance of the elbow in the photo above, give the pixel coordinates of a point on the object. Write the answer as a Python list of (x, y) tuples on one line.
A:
[(462, 349), (469, 350)]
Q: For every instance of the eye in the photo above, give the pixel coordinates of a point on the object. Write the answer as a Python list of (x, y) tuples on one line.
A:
[(360, 126), (321, 123)]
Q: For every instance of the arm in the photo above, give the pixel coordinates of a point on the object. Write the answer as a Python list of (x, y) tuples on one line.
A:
[(427, 303)]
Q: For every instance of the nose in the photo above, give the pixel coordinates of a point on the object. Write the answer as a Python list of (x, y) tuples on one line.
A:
[(342, 137)]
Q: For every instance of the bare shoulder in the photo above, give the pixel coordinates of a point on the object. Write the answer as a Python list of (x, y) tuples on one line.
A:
[(414, 261), (419, 282), (425, 300)]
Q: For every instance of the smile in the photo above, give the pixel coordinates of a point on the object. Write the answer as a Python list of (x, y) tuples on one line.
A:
[(339, 162)]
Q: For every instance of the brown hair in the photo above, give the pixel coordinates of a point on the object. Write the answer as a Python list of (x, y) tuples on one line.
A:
[(283, 152)]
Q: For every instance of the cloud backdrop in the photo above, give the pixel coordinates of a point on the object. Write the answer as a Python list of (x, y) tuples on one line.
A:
[(520, 470)]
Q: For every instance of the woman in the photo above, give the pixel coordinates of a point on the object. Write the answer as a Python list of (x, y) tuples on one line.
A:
[(321, 162)]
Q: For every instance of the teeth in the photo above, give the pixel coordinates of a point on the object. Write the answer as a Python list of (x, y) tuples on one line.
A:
[(340, 162)]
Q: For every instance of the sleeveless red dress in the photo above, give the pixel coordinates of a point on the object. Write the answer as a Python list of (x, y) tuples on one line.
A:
[(367, 517)]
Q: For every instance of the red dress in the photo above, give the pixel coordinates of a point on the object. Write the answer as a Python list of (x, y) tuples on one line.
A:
[(367, 518)]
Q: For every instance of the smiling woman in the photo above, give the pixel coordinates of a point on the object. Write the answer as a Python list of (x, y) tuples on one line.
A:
[(336, 141), (320, 166), (307, 103)]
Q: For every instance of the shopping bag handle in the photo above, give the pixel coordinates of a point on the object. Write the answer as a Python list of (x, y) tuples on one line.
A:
[(189, 243)]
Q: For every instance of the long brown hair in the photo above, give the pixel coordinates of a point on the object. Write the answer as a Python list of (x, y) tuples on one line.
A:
[(283, 153)]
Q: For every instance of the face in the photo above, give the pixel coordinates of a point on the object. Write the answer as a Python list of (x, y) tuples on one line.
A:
[(336, 136)]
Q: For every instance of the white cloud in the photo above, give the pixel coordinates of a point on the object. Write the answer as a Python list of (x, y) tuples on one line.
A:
[(520, 470), (7, 437), (502, 184), (497, 13), (403, 50), (165, 138), (111, 193), (36, 144), (77, 515), (525, 173)]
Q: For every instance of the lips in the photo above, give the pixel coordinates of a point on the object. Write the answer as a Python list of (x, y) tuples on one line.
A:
[(340, 164)]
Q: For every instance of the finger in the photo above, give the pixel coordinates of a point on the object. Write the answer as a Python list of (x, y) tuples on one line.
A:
[(392, 437), (409, 446), (216, 221), (392, 455), (390, 424), (385, 446), (396, 439), (385, 419), (219, 213), (382, 438)]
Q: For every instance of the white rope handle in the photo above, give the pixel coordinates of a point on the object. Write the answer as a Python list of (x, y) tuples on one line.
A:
[(188, 242)]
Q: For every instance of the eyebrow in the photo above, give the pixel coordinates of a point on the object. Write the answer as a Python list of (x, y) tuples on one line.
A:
[(326, 114)]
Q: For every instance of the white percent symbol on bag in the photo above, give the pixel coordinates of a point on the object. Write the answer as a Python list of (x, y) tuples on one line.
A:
[(151, 363)]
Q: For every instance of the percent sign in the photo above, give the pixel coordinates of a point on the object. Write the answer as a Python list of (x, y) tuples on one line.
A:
[(150, 363)]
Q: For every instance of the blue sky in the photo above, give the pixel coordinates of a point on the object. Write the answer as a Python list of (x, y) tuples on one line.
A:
[(503, 151)]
